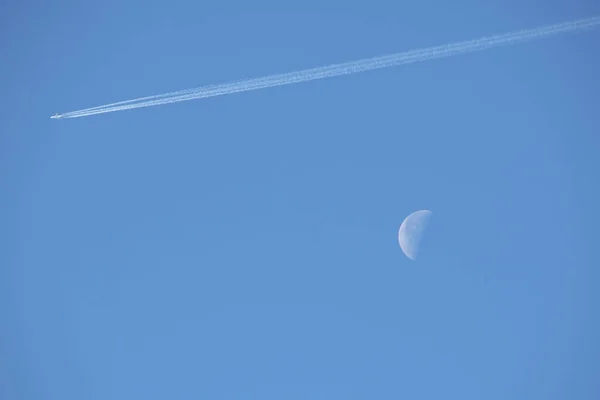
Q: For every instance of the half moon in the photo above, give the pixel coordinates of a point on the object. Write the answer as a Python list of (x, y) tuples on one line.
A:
[(411, 232)]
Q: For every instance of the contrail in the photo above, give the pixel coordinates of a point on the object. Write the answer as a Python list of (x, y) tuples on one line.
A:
[(351, 67)]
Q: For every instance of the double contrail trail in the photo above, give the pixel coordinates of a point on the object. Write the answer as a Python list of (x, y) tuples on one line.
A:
[(351, 67)]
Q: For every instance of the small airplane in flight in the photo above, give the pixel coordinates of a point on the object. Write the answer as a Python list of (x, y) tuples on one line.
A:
[(55, 116)]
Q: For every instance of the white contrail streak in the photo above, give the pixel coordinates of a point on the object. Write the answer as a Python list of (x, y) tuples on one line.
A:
[(351, 67)]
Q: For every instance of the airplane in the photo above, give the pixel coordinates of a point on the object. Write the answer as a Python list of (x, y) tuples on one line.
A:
[(55, 116)]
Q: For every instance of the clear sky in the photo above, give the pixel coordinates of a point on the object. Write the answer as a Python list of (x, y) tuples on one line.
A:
[(244, 247)]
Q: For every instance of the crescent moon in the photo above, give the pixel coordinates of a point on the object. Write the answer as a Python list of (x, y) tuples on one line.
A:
[(411, 232)]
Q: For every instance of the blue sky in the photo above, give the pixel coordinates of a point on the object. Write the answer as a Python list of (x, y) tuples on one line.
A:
[(244, 247)]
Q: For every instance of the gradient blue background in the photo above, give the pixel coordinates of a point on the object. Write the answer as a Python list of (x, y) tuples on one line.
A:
[(244, 247)]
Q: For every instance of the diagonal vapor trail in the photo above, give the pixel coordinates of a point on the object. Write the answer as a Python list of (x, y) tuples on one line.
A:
[(333, 70)]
